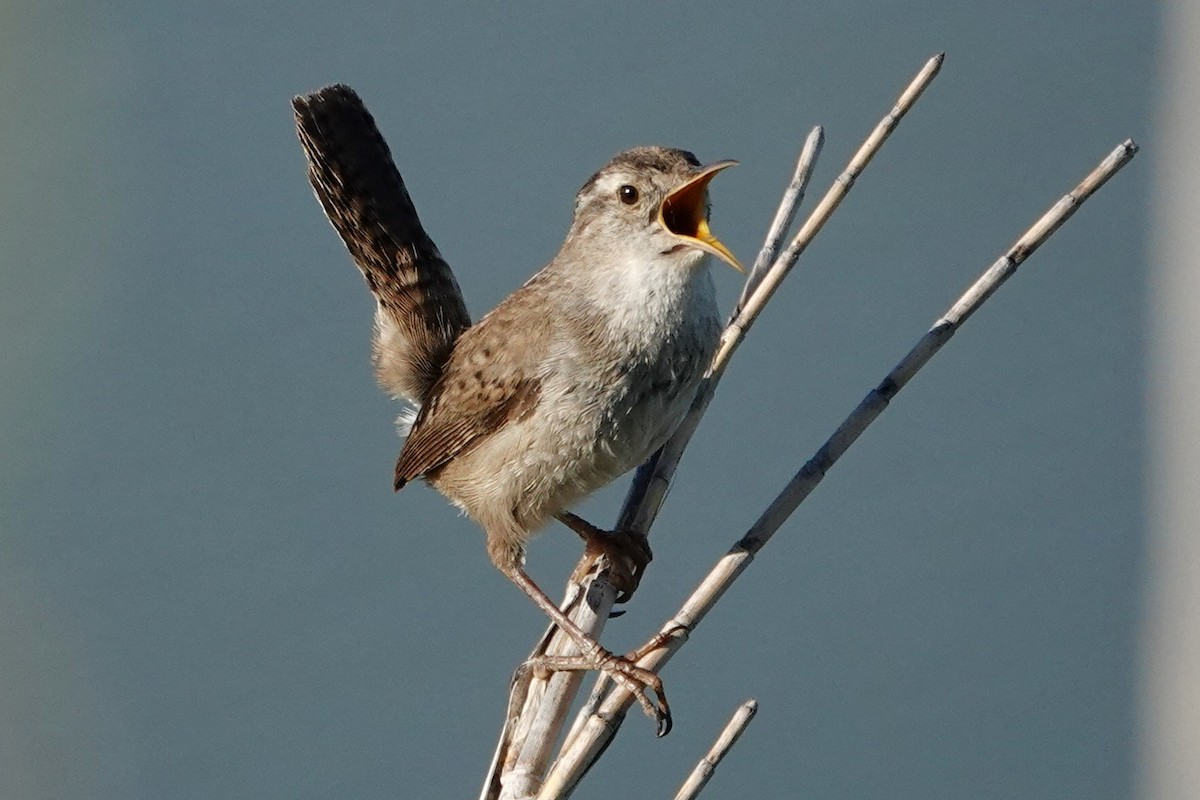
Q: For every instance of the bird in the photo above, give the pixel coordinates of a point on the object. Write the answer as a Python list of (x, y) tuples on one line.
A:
[(571, 381)]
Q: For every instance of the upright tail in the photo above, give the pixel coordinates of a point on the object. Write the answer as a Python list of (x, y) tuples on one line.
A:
[(420, 308)]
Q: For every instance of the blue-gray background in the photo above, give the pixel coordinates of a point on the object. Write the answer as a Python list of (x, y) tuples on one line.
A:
[(207, 588)]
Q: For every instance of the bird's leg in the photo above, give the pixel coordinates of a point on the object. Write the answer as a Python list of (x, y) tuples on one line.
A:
[(628, 553), (638, 681)]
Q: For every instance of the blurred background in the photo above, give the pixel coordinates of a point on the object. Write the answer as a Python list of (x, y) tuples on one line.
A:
[(208, 588)]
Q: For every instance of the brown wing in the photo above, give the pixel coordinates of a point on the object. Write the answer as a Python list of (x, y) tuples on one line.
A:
[(421, 310), (465, 408)]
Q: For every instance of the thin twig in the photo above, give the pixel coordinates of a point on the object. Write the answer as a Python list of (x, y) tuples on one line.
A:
[(650, 484), (653, 479), (647, 493), (603, 724), (542, 702), (793, 196), (528, 737), (704, 770), (526, 740)]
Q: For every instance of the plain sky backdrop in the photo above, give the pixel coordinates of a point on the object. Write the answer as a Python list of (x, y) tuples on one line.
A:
[(207, 586)]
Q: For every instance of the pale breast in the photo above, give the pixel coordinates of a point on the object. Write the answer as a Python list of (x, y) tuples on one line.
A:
[(611, 391), (613, 409)]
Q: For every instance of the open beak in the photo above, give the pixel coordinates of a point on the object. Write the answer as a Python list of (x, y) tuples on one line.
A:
[(684, 212)]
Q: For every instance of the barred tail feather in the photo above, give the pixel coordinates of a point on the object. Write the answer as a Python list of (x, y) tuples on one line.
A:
[(420, 310)]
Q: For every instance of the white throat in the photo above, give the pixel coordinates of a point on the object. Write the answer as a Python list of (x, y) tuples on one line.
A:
[(648, 300)]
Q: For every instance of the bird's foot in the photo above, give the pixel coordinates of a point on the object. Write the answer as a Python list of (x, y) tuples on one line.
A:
[(627, 553), (639, 681), (645, 686)]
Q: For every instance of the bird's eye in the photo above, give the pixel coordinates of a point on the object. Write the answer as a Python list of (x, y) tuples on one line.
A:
[(628, 194)]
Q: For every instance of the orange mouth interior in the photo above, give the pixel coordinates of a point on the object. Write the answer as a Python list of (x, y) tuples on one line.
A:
[(684, 212)]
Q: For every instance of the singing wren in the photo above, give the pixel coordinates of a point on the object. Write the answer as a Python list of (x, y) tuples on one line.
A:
[(574, 379)]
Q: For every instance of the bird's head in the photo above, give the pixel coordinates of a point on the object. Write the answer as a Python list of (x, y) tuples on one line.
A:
[(651, 202)]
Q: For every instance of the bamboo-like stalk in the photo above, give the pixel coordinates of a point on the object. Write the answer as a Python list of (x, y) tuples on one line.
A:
[(649, 488), (704, 770), (603, 724), (793, 196), (529, 735), (527, 740), (646, 495)]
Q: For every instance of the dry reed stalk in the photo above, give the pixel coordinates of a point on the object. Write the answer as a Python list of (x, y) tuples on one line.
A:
[(594, 735), (538, 706), (728, 737)]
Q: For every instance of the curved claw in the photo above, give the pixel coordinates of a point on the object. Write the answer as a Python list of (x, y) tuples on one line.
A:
[(661, 713), (644, 685)]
